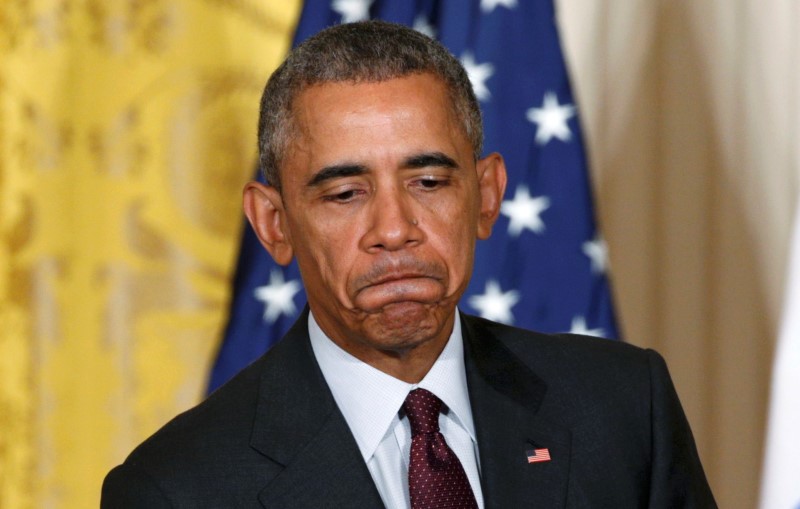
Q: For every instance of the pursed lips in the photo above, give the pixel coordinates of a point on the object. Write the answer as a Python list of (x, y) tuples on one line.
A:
[(404, 275), (393, 277)]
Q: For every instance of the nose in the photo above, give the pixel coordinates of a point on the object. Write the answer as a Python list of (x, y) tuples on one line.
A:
[(392, 222)]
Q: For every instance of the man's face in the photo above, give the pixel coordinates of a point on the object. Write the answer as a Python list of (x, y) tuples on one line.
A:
[(381, 204)]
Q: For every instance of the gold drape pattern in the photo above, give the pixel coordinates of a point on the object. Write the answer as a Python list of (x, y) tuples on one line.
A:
[(127, 128)]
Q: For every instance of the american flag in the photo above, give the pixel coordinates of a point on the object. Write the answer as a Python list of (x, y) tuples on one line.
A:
[(538, 455), (545, 266)]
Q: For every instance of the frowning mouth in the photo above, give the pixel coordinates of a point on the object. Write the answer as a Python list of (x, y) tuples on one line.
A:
[(390, 278), (405, 272), (399, 288)]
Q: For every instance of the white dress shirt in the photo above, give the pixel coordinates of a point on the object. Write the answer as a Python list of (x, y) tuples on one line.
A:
[(370, 401)]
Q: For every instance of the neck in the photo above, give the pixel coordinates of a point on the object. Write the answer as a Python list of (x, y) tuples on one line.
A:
[(408, 361), (410, 366)]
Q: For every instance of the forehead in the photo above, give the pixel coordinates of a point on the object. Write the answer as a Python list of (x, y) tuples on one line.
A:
[(425, 91), (408, 111)]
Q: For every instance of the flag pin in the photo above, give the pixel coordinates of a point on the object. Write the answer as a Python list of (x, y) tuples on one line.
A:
[(538, 455)]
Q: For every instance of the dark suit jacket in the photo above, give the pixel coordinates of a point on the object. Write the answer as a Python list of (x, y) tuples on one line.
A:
[(274, 437)]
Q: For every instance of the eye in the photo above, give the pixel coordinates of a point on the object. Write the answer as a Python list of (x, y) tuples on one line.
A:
[(343, 196), (430, 183)]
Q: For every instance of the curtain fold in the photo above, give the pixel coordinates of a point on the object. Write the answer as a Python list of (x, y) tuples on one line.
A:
[(127, 129), (692, 114)]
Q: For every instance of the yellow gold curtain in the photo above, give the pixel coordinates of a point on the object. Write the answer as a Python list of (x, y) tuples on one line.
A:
[(127, 128)]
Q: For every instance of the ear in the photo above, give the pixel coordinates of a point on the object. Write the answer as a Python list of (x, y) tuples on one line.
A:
[(491, 184), (263, 207)]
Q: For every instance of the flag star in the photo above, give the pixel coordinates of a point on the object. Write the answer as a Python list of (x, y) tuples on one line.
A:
[(423, 25), (494, 304), (597, 251), (352, 10), (525, 211), (551, 119), (277, 296), (489, 5), (579, 327), (478, 74)]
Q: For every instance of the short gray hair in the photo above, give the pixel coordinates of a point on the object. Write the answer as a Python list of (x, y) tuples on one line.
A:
[(368, 51)]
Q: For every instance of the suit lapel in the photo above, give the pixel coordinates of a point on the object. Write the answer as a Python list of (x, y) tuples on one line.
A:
[(505, 396), (299, 426)]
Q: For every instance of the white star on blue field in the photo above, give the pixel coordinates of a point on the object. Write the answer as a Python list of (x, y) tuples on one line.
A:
[(551, 119), (277, 296)]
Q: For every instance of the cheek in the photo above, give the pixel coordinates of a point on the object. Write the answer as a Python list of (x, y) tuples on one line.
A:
[(330, 250), (453, 231), (455, 243), (457, 225)]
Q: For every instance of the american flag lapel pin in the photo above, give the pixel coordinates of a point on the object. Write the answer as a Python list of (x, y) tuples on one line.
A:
[(538, 455)]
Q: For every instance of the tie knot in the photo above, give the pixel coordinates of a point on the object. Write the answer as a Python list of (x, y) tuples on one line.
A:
[(422, 408)]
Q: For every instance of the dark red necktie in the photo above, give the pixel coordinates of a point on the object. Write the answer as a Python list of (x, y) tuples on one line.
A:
[(436, 478)]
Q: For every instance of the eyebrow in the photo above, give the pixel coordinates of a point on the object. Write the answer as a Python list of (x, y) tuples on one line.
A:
[(427, 159), (424, 160), (336, 171)]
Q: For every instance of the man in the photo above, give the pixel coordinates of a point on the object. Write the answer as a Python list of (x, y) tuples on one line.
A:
[(382, 394)]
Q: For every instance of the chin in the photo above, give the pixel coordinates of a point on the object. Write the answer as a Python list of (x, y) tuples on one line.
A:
[(406, 325)]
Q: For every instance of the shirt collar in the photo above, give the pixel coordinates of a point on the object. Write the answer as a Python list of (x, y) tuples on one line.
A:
[(370, 399)]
